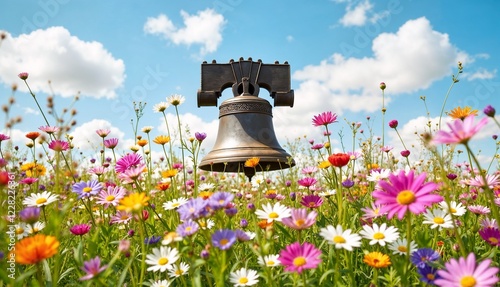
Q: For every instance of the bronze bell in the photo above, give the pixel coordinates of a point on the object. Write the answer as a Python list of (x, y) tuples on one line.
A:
[(245, 121)]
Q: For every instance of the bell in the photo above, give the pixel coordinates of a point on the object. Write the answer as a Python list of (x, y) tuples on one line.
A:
[(245, 121)]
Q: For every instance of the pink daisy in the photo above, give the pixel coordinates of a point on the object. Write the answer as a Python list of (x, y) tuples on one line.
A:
[(300, 219), (324, 119), (49, 129), (132, 174), (111, 195), (307, 181), (403, 192), (478, 209), (312, 201), (59, 145), (296, 257), (465, 272), (460, 131), (128, 161)]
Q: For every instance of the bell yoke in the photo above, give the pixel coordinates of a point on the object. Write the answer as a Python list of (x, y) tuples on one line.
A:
[(245, 121)]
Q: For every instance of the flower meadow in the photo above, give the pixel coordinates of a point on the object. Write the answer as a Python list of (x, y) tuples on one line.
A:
[(361, 216)]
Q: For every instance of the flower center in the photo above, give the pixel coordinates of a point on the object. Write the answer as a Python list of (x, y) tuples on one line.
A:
[(378, 235), (493, 240), (110, 198), (223, 241), (273, 215), (338, 239), (402, 248), (438, 220), (430, 276), (162, 261), (406, 197), (453, 210), (270, 262), (189, 228), (299, 261), (19, 230), (299, 222), (176, 204), (87, 189), (468, 281), (243, 280), (41, 201), (137, 206)]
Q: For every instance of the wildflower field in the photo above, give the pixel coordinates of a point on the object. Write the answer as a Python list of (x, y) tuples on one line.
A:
[(367, 215)]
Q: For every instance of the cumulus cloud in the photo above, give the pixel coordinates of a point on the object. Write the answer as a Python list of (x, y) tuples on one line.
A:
[(72, 65), (481, 74), (357, 15), (204, 29)]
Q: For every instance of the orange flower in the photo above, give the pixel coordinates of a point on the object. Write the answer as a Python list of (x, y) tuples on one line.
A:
[(252, 162), (31, 250), (33, 135), (142, 142), (33, 170), (169, 173), (162, 186), (377, 260), (133, 202), (205, 194), (161, 140), (264, 224), (459, 113)]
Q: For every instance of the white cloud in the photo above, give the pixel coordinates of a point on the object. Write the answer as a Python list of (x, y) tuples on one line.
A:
[(356, 16), (55, 55), (85, 137), (481, 74), (204, 28), (28, 110)]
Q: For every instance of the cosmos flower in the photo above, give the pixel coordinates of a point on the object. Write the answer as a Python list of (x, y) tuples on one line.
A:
[(223, 239), (128, 161), (33, 249), (300, 219), (49, 129), (377, 260), (460, 132), (162, 258), (111, 143), (59, 145), (404, 192), (103, 132), (491, 181), (132, 174), (324, 119), (40, 199), (244, 277), (479, 209), (298, 257), (121, 217), (92, 268), (340, 238), (307, 181), (466, 272), (87, 189), (380, 234), (274, 212), (371, 212), (80, 229)]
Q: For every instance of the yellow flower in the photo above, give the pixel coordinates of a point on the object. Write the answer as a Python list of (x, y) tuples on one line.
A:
[(133, 202), (31, 250), (169, 173), (377, 260), (161, 140), (205, 194), (33, 170), (324, 164), (459, 113), (252, 162)]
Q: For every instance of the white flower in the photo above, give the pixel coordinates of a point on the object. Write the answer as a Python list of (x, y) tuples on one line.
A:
[(176, 100), (257, 180), (273, 213), (22, 230), (380, 235), (455, 208), (160, 283), (174, 203), (171, 237), (376, 175), (40, 199), (178, 270), (147, 129), (341, 239), (270, 260), (251, 234), (438, 218), (206, 187), (205, 223), (244, 277), (327, 192), (162, 258), (36, 227), (400, 246), (160, 107)]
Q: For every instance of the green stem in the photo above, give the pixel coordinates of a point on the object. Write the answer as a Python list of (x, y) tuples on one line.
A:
[(143, 251)]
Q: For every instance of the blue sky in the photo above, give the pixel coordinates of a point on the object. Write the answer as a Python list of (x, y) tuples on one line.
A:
[(117, 52)]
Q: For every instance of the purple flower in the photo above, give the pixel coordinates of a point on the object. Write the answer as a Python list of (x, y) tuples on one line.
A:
[(193, 209), (111, 143), (491, 235), (152, 240), (30, 214), (87, 189), (243, 223), (200, 136), (128, 161), (92, 268), (423, 256), (393, 124), (4, 137), (220, 200), (348, 183), (187, 228), (80, 229), (460, 131), (489, 111), (103, 132), (428, 274), (241, 235), (223, 239)]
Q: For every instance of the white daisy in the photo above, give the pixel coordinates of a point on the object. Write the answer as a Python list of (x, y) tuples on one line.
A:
[(176, 99), (36, 227), (380, 235), (162, 258), (273, 213), (22, 230), (438, 218), (328, 192), (340, 238), (376, 175), (174, 203), (205, 223), (270, 260), (178, 270), (170, 237), (400, 246), (146, 129), (251, 234), (206, 187), (455, 208), (257, 180), (244, 277), (161, 107), (40, 199), (160, 283)]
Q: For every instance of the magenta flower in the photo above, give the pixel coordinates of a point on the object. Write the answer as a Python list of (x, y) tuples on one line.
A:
[(324, 119), (4, 137), (491, 235), (465, 272), (58, 145), (132, 174), (489, 111), (307, 181), (460, 131), (92, 268), (296, 257), (128, 161), (111, 143), (23, 76), (28, 180), (393, 124), (200, 136), (300, 219), (312, 201), (403, 192), (80, 229), (405, 153)]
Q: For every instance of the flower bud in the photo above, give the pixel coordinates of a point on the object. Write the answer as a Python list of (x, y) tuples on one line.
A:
[(382, 86), (23, 76), (393, 124), (405, 153), (489, 111)]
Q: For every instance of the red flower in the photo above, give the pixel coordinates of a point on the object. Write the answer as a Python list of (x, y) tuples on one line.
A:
[(339, 159)]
